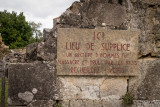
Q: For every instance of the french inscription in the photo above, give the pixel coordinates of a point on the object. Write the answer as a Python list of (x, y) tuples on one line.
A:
[(97, 52)]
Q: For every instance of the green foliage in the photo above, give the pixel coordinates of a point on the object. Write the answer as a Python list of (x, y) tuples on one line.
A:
[(58, 105), (127, 99), (16, 31), (37, 34), (6, 92)]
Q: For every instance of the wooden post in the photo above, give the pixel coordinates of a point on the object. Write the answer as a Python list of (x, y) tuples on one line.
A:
[(3, 84)]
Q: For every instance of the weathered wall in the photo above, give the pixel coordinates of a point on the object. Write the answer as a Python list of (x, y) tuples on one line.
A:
[(84, 91), (142, 16), (29, 82)]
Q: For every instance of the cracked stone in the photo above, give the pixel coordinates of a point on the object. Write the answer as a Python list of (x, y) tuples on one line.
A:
[(92, 88)]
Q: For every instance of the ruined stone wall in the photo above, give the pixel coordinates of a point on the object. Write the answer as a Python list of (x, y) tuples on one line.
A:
[(35, 82), (138, 15)]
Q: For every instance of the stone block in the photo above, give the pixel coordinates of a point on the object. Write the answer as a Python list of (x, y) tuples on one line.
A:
[(112, 103), (31, 51), (97, 103), (152, 2), (47, 50), (76, 103), (42, 103), (31, 81), (91, 88), (47, 33), (146, 85), (88, 14), (88, 103), (156, 52), (17, 106), (113, 88), (146, 103), (158, 44), (64, 103), (92, 103)]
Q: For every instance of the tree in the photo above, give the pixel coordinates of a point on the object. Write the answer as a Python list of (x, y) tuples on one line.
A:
[(15, 30), (37, 34)]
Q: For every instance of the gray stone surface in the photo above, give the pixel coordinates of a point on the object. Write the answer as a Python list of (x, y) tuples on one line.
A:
[(97, 103), (151, 2), (31, 81), (17, 106), (93, 13), (76, 103), (88, 103), (16, 57), (43, 51), (47, 50), (112, 103), (47, 33), (64, 103), (146, 103), (31, 52), (146, 85), (91, 88), (145, 17), (92, 103), (42, 103), (142, 15)]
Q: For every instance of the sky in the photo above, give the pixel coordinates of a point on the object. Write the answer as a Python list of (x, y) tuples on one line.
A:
[(39, 11)]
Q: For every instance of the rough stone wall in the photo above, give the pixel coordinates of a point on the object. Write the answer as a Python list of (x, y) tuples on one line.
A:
[(145, 17), (73, 91), (33, 83), (139, 15), (32, 79)]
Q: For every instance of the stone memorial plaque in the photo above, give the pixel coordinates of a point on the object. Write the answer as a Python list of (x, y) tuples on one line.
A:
[(97, 52)]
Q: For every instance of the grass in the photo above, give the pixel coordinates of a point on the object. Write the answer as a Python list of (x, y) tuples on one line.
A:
[(6, 92), (127, 99), (58, 105)]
